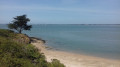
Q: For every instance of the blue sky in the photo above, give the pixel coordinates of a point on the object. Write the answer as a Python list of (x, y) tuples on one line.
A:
[(62, 11)]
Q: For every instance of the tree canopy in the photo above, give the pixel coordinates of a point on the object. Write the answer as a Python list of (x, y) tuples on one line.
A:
[(20, 23)]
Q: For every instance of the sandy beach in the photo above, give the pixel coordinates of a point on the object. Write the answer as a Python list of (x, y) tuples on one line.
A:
[(72, 59)]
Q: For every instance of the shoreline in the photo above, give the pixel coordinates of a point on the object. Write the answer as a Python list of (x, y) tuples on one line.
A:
[(54, 49), (70, 59)]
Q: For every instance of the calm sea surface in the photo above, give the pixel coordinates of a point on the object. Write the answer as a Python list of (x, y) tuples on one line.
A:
[(96, 40)]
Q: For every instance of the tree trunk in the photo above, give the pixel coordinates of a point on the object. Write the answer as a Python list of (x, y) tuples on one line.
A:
[(20, 31)]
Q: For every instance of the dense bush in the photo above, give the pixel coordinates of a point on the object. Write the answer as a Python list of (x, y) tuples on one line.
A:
[(14, 54), (55, 63)]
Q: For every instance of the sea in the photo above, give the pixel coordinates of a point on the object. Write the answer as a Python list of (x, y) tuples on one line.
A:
[(100, 40)]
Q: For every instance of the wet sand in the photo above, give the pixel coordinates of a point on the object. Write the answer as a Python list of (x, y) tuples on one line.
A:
[(73, 59)]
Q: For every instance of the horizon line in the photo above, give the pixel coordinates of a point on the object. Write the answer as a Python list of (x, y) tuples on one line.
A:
[(76, 24)]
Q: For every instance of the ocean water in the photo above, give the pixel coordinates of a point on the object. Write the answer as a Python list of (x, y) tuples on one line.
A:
[(95, 40)]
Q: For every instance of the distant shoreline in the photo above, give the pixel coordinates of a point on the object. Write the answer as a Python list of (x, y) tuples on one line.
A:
[(71, 24), (73, 59)]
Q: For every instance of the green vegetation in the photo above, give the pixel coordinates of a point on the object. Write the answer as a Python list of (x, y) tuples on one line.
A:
[(55, 63), (20, 23), (15, 54)]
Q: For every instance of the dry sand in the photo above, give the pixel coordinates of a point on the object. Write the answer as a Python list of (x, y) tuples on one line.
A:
[(74, 60)]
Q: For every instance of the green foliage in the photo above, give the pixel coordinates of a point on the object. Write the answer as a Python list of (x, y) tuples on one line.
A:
[(55, 63), (20, 23), (7, 33), (13, 54)]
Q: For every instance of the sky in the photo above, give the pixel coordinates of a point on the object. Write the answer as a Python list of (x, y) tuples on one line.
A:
[(62, 11)]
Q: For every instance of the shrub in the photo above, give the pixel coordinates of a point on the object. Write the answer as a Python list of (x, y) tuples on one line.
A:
[(14, 54), (55, 63)]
